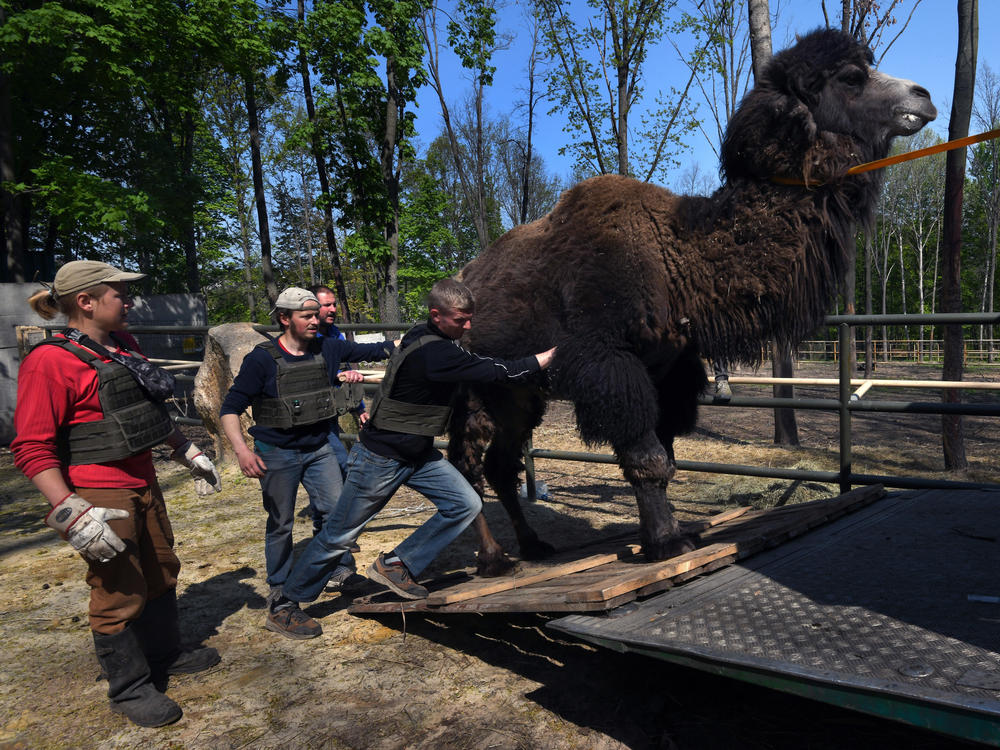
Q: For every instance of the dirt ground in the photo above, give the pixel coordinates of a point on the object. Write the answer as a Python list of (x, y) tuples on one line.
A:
[(442, 681)]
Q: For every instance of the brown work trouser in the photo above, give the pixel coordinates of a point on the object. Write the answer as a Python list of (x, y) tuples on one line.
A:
[(146, 569)]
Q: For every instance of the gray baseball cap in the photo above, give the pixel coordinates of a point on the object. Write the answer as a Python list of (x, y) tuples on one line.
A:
[(294, 298), (78, 275)]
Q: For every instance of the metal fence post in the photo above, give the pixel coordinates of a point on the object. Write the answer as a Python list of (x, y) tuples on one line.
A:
[(845, 413), (529, 471)]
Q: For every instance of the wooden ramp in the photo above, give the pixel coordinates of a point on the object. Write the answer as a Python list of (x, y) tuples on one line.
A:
[(610, 573)]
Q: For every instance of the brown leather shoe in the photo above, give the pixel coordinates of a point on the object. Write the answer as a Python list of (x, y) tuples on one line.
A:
[(292, 622), (396, 577)]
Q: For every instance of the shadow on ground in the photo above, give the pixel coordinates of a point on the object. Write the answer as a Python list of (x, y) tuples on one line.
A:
[(644, 703)]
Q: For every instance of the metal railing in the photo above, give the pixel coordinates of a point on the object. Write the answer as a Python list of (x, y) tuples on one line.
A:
[(844, 405)]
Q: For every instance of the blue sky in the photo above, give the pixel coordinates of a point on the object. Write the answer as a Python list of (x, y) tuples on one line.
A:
[(925, 53)]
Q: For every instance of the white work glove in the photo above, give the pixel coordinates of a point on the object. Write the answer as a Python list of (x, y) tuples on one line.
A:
[(85, 526), (206, 476)]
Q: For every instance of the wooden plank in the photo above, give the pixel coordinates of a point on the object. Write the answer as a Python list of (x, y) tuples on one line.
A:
[(701, 525), (483, 587), (602, 581), (722, 562), (644, 575)]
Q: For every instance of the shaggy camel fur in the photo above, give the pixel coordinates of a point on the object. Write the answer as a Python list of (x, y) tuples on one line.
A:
[(634, 283)]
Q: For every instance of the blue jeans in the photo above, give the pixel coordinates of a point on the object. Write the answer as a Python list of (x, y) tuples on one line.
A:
[(371, 482), (318, 514), (318, 472), (338, 447)]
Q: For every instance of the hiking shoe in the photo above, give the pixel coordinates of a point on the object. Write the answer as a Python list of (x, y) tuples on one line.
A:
[(722, 390), (396, 577), (345, 580), (292, 622)]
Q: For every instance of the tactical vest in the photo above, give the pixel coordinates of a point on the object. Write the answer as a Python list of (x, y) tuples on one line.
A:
[(132, 423), (399, 416), (305, 395)]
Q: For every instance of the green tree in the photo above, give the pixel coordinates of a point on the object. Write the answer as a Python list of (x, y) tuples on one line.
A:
[(597, 80), (369, 58), (472, 36), (984, 191), (107, 152)]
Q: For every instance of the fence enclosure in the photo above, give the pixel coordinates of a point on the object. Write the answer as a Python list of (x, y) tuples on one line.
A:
[(846, 403)]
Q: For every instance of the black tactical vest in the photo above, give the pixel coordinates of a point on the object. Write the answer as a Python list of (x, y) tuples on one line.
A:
[(305, 395), (132, 423), (399, 416)]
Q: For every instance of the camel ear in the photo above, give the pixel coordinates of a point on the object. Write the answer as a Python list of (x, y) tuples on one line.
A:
[(801, 82), (768, 136)]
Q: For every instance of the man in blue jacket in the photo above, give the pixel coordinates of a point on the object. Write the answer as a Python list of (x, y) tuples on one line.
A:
[(396, 448), (289, 383)]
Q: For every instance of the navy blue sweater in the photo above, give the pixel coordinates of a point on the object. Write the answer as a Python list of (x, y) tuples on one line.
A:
[(258, 376)]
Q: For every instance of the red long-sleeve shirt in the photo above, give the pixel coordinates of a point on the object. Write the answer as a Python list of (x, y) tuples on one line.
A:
[(56, 388)]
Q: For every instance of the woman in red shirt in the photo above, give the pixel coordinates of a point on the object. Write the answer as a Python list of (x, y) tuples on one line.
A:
[(89, 408)]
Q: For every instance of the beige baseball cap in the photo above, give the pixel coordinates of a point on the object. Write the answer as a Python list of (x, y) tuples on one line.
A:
[(78, 275), (294, 298)]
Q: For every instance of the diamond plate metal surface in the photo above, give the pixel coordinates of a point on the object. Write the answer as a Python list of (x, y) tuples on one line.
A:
[(879, 600)]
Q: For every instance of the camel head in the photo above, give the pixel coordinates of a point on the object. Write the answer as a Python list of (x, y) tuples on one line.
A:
[(820, 106)]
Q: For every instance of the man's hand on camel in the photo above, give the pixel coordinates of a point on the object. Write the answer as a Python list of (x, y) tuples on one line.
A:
[(545, 358)]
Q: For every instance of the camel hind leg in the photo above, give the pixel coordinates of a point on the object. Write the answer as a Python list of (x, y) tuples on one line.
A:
[(504, 463), (471, 429)]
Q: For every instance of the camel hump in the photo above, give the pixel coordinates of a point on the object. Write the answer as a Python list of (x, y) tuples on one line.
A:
[(597, 197)]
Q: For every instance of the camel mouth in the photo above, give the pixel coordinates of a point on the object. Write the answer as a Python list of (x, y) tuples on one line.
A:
[(909, 121)]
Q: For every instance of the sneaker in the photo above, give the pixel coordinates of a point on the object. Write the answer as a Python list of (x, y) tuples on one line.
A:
[(292, 622), (345, 580), (396, 577), (722, 390), (354, 548)]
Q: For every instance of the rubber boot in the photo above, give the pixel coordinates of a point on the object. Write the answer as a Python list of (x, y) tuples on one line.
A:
[(159, 634), (130, 689)]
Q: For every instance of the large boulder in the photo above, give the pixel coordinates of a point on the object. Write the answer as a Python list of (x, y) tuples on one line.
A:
[(225, 348)]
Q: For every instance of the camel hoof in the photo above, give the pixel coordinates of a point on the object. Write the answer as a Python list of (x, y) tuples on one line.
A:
[(536, 549), (493, 566), (671, 546)]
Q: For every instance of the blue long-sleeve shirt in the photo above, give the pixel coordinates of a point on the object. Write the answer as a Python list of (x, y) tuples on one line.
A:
[(258, 377)]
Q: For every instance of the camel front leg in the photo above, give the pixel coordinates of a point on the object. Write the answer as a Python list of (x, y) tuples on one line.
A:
[(648, 467)]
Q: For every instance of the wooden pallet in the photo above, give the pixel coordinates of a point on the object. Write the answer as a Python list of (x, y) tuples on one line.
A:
[(614, 573)]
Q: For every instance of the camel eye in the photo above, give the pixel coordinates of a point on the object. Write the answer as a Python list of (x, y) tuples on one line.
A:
[(854, 77)]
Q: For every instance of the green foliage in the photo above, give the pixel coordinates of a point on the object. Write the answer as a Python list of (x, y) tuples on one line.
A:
[(474, 39), (597, 78)]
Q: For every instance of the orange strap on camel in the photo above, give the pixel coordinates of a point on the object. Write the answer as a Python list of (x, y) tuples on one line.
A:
[(947, 146), (899, 158)]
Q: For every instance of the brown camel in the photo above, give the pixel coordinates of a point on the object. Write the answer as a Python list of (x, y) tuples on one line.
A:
[(634, 283)]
